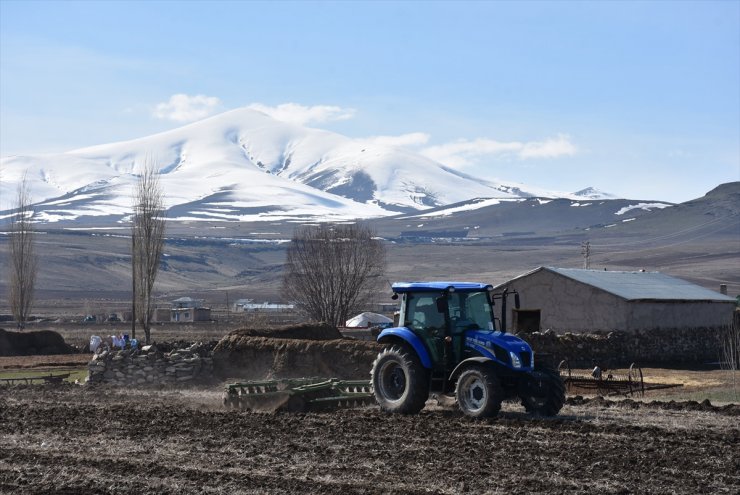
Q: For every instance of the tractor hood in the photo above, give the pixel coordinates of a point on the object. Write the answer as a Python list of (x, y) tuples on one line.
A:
[(505, 348)]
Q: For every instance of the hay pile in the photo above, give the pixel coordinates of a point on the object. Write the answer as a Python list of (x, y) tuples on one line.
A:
[(292, 352), (304, 331), (43, 342)]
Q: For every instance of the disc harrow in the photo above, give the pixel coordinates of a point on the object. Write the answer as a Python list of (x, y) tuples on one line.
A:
[(298, 395)]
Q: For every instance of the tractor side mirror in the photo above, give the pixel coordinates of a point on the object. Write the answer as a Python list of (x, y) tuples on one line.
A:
[(516, 300), (442, 305)]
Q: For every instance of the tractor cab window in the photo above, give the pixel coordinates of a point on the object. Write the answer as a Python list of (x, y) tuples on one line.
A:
[(422, 314), (469, 310)]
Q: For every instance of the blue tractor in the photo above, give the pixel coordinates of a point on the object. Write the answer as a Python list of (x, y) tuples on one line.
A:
[(448, 342)]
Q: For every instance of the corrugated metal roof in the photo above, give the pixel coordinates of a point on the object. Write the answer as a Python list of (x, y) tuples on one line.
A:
[(634, 286)]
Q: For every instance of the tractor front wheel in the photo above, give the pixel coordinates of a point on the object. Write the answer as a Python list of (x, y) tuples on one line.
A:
[(478, 392), (399, 381), (542, 392)]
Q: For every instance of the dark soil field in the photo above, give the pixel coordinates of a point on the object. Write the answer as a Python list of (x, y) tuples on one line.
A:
[(75, 439)]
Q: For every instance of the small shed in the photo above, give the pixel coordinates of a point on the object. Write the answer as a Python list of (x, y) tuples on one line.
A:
[(239, 304), (190, 314), (578, 300), (162, 314), (267, 307)]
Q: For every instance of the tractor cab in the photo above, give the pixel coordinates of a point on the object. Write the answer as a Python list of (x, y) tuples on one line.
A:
[(455, 321)]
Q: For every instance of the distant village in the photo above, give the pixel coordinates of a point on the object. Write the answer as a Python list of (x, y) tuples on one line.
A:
[(556, 299)]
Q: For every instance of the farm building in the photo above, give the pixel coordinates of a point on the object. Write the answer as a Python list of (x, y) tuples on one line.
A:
[(577, 300), (162, 314), (240, 303), (190, 314), (265, 307), (187, 309)]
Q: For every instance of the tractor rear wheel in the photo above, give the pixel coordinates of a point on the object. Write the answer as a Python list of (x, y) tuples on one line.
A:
[(542, 392), (478, 392), (399, 381)]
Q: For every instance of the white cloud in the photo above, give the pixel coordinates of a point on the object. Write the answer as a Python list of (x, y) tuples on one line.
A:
[(404, 140), (549, 148), (186, 108), (303, 115), (463, 152)]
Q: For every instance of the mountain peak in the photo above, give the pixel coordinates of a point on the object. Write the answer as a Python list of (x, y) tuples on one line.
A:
[(593, 193)]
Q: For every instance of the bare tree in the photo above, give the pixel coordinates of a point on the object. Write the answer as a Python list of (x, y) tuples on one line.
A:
[(147, 243), (332, 271), (23, 259), (730, 350)]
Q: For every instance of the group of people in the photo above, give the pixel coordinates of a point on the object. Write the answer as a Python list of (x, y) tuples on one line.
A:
[(120, 341)]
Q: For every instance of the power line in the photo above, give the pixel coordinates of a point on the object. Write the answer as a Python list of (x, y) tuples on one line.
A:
[(684, 241), (673, 234), (586, 253)]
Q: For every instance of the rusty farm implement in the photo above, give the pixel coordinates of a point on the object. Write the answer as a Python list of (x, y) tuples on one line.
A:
[(606, 382)]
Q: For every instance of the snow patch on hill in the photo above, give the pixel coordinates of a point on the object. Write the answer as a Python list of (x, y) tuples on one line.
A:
[(643, 206)]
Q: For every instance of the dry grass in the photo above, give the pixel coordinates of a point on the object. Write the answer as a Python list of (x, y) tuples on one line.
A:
[(74, 374), (55, 361), (715, 385)]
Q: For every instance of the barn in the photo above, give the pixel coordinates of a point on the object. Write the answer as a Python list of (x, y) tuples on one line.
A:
[(580, 301)]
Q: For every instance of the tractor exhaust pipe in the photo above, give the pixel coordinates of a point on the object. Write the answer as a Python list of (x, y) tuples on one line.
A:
[(504, 295)]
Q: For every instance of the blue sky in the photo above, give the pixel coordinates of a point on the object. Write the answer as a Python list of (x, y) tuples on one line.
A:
[(640, 99)]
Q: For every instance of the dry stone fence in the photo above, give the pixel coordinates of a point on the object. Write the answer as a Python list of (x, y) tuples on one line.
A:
[(654, 347), (305, 350), (153, 365)]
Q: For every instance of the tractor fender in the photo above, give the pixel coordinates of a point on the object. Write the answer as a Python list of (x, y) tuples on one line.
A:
[(466, 362), (389, 335)]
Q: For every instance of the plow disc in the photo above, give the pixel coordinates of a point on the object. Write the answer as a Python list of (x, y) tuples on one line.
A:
[(298, 395)]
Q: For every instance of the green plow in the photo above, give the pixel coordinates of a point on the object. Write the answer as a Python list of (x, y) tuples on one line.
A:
[(298, 395)]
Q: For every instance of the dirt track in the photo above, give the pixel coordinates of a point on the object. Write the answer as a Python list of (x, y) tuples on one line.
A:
[(78, 440)]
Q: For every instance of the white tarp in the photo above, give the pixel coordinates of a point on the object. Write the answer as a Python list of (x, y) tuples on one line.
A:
[(368, 320)]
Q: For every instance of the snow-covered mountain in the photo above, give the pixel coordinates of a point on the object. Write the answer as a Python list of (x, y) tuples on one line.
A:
[(592, 193), (243, 165)]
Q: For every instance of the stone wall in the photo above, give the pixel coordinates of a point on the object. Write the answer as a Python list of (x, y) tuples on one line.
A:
[(152, 365), (657, 347)]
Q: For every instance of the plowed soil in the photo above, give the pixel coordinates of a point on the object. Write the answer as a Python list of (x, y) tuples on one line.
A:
[(95, 440)]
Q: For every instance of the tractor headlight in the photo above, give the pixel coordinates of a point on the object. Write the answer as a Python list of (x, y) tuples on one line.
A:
[(515, 361)]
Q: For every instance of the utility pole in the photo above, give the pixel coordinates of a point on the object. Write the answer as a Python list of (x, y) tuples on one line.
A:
[(586, 252), (228, 308)]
